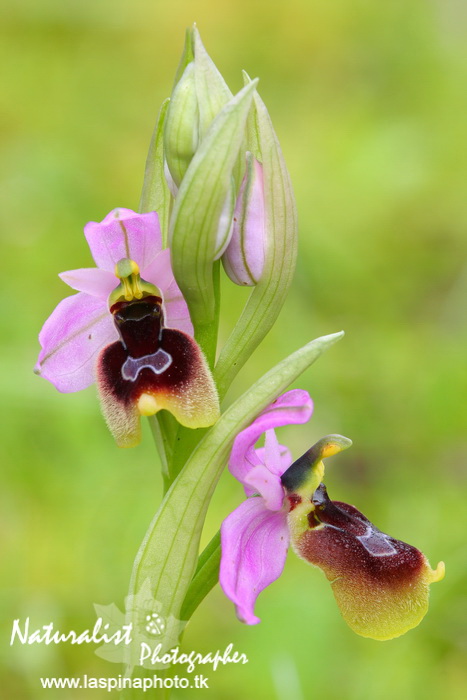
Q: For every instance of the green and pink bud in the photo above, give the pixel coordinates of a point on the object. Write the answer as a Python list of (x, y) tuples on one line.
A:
[(245, 255)]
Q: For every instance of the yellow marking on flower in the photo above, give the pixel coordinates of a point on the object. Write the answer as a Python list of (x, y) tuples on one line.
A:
[(128, 272), (331, 449), (131, 285), (147, 405), (437, 574), (126, 267), (308, 487), (298, 518), (326, 447), (305, 475)]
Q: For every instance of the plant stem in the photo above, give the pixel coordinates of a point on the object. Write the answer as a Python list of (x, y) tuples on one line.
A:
[(206, 333), (205, 578)]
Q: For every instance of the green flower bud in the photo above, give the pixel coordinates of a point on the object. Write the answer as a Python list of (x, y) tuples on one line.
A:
[(181, 133)]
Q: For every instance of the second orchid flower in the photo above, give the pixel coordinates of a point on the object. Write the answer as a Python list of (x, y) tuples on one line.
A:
[(380, 583)]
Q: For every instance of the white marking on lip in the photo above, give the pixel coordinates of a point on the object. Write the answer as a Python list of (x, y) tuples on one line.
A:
[(377, 543), (158, 362)]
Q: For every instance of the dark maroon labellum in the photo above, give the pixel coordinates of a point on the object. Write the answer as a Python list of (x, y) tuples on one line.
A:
[(150, 369), (351, 541), (148, 356)]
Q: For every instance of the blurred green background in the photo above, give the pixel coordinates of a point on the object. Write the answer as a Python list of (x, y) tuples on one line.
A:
[(369, 103)]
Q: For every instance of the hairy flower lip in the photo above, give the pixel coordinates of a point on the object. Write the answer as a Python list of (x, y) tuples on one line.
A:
[(380, 584), (152, 368)]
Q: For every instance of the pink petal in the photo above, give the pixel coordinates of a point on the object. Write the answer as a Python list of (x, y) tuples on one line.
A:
[(92, 280), (262, 481), (176, 311), (244, 258), (254, 544), (265, 477), (294, 406), (283, 460), (124, 234), (160, 273), (71, 338), (273, 457)]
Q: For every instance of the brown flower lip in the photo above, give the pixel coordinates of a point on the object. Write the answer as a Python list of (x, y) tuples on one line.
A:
[(152, 368)]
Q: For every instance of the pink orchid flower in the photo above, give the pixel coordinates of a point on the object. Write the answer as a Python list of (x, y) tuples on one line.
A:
[(255, 537), (129, 329), (380, 584)]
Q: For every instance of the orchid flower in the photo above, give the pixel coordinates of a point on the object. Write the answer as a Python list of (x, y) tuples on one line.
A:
[(381, 584), (129, 331), (255, 537)]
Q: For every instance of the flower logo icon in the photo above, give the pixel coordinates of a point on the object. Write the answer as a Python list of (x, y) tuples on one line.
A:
[(155, 624)]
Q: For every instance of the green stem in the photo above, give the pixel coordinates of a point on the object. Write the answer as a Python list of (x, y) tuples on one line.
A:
[(205, 578), (185, 440), (160, 441), (185, 443), (164, 430), (206, 333), (174, 442)]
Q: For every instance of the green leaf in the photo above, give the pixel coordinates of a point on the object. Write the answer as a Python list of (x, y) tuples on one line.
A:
[(267, 298), (155, 195), (168, 554), (199, 203)]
